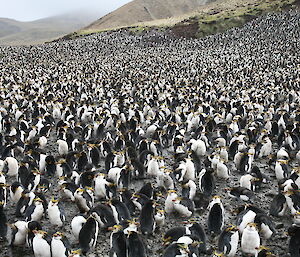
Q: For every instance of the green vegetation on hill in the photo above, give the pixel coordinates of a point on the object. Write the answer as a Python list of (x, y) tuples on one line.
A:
[(216, 17)]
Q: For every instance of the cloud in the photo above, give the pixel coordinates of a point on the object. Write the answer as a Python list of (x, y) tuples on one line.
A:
[(28, 10)]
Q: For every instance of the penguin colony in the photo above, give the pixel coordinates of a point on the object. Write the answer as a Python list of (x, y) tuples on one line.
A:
[(132, 146)]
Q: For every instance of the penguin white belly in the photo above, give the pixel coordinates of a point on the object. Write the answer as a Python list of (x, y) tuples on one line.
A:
[(76, 225), (54, 216), (40, 247), (38, 213), (250, 242), (15, 197), (234, 244), (266, 232), (58, 249), (114, 174), (222, 171)]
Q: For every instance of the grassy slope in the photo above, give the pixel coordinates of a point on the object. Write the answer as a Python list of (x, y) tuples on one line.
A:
[(218, 16)]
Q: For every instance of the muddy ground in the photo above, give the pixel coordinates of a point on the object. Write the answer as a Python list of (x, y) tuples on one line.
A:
[(278, 244)]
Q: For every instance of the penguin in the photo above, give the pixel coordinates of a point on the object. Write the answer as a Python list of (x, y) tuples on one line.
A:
[(216, 215), (76, 225), (248, 181), (120, 210), (240, 193), (35, 211), (118, 247), (281, 169), (63, 147), (292, 198), (16, 233), (176, 249), (135, 245), (169, 203), (88, 235), (294, 241), (184, 206), (68, 190), (246, 214), (191, 243), (250, 240), (189, 189), (3, 194), (32, 180), (206, 181), (278, 205), (228, 241), (147, 218), (160, 219), (83, 200), (12, 167), (60, 246), (222, 170), (3, 222), (56, 213), (41, 244), (103, 188), (265, 225), (31, 226), (104, 215), (296, 218), (147, 190)]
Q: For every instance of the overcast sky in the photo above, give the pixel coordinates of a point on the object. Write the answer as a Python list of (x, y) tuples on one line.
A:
[(28, 10)]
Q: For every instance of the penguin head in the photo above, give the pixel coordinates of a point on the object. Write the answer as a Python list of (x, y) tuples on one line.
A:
[(219, 254), (38, 201), (252, 226), (40, 233), (58, 236), (231, 228), (75, 253), (54, 201), (264, 252)]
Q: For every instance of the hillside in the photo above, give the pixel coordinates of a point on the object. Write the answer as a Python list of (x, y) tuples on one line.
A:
[(190, 19), (14, 32), (144, 10)]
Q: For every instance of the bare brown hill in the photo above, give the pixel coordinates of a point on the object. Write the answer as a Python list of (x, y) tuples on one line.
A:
[(144, 10)]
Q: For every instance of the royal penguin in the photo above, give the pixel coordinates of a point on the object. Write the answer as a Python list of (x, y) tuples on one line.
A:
[(160, 218), (206, 181), (56, 213), (246, 214), (67, 190), (265, 225), (184, 206), (12, 167), (88, 235), (292, 198), (169, 203), (32, 226), (147, 218), (41, 244), (35, 211), (198, 147), (103, 188), (175, 249), (228, 241), (76, 225), (17, 232), (135, 245), (120, 210), (60, 246), (216, 216), (281, 169), (222, 170), (3, 194), (15, 191), (63, 147), (250, 240), (118, 247), (294, 241), (3, 222), (189, 189), (278, 205), (249, 181), (240, 193), (83, 200)]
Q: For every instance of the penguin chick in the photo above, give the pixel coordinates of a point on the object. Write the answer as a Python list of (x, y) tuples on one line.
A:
[(169, 203)]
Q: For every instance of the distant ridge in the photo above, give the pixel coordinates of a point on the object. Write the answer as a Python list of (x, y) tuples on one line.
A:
[(14, 32)]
